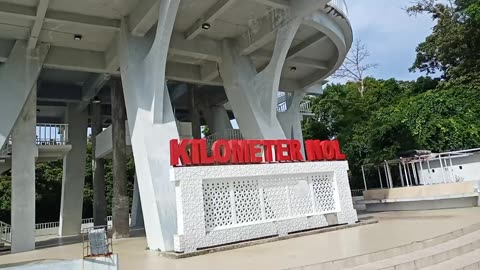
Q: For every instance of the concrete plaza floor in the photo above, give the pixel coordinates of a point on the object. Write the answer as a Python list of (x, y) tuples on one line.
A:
[(393, 229)]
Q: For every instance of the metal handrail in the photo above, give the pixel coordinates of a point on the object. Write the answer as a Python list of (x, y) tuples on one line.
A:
[(51, 134), (47, 225), (46, 134), (339, 5), (5, 232), (304, 107), (229, 134)]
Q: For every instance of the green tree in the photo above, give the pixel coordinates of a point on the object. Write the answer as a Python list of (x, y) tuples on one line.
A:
[(394, 117), (48, 188), (453, 48)]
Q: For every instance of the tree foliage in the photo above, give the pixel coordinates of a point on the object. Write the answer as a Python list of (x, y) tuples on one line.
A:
[(453, 48), (394, 117), (48, 189)]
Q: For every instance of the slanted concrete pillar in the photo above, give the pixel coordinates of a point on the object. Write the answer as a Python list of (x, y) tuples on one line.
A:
[(120, 201), (195, 115), (136, 213), (291, 120), (152, 123), (216, 118), (74, 173), (253, 95), (18, 77), (24, 153), (99, 200)]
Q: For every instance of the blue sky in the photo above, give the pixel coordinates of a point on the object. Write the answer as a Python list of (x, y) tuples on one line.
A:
[(390, 34)]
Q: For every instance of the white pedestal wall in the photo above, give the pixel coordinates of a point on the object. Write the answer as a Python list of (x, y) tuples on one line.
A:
[(224, 204)]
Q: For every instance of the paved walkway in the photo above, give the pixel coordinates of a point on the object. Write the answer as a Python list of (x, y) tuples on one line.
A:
[(393, 229)]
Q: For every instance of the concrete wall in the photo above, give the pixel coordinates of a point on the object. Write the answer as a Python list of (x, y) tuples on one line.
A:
[(218, 205), (420, 191)]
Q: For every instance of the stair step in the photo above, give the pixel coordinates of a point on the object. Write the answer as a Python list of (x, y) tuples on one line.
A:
[(468, 261), (428, 256), (347, 263)]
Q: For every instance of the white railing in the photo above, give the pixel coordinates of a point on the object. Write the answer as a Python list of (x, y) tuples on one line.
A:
[(47, 228), (87, 220), (7, 147), (339, 5), (52, 134), (46, 134), (5, 232), (282, 107), (229, 134), (47, 225), (304, 108)]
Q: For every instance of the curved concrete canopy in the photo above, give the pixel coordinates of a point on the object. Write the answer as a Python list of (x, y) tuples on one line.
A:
[(194, 52)]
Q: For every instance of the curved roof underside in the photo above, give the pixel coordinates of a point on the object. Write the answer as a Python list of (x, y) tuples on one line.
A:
[(194, 52)]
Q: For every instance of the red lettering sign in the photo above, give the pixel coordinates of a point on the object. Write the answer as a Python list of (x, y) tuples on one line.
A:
[(195, 152)]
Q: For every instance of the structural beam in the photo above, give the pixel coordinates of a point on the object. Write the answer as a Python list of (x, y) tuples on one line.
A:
[(258, 37), (178, 91), (111, 57), (203, 48), (54, 92), (296, 61), (274, 3), (30, 13), (143, 17), (315, 39), (83, 20), (38, 24), (209, 71), (65, 58), (208, 17), (187, 73), (6, 47), (74, 59), (91, 88)]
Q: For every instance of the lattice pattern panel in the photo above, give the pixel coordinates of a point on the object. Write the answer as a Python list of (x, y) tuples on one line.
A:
[(229, 202), (247, 201), (300, 198), (275, 196), (217, 204), (324, 192)]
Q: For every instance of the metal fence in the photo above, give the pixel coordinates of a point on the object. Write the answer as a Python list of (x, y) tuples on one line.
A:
[(340, 5), (5, 232), (304, 108), (52, 134)]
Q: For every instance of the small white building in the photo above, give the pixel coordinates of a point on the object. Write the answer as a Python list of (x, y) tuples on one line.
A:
[(423, 180), (454, 167)]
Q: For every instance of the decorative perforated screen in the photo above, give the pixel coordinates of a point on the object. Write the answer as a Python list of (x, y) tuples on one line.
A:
[(240, 201)]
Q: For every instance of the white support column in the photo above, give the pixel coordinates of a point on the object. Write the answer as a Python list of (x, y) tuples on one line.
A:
[(24, 153), (136, 212), (74, 173), (18, 76), (253, 95), (152, 123), (291, 120)]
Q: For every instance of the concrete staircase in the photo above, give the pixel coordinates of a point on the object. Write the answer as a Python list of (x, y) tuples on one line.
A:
[(456, 250)]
